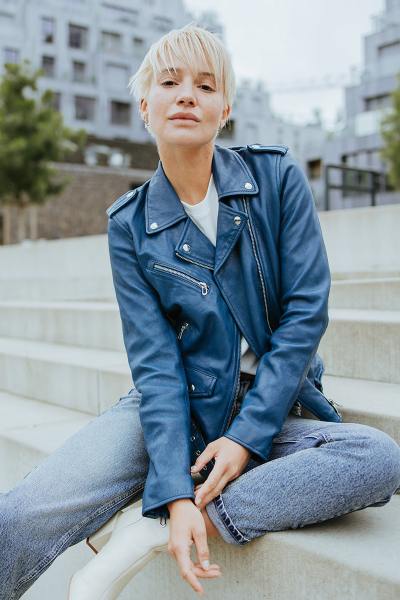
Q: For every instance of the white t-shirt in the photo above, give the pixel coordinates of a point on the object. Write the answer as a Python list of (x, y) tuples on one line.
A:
[(205, 215)]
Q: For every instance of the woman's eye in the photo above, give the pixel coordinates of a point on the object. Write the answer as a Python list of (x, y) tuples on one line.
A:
[(203, 85)]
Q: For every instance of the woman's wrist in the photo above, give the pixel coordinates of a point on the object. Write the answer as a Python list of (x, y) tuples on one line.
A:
[(174, 503)]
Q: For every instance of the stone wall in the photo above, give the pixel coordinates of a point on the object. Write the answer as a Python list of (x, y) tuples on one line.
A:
[(80, 209)]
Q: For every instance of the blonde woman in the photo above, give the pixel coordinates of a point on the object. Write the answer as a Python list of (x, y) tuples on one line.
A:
[(222, 282)]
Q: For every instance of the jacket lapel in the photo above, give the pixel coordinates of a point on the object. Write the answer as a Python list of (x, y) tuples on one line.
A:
[(164, 208)]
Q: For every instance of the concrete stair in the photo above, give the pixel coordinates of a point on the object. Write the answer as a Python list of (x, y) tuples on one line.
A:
[(62, 362)]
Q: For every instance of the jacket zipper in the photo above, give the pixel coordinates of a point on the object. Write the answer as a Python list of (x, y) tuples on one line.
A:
[(204, 287), (334, 405), (195, 262), (182, 329), (252, 236), (237, 386)]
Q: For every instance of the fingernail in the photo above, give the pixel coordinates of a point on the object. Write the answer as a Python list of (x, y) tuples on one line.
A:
[(206, 564), (193, 468), (198, 500)]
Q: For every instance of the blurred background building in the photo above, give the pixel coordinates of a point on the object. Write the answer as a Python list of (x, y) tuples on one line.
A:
[(89, 48)]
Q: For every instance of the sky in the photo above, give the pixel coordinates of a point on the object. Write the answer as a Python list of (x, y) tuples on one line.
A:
[(296, 43)]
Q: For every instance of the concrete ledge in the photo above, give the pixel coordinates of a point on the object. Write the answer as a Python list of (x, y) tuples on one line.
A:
[(82, 379)]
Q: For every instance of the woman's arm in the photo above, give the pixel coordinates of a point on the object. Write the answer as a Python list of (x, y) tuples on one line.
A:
[(305, 285), (158, 374)]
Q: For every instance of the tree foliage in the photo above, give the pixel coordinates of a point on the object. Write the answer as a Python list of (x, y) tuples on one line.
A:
[(390, 131), (32, 136)]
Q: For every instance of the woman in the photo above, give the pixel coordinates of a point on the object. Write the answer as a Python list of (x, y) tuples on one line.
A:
[(222, 282)]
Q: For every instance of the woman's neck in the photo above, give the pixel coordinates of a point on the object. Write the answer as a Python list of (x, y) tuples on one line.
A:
[(188, 170)]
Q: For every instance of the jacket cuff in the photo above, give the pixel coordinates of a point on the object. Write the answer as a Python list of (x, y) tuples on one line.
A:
[(158, 492), (161, 510), (240, 434)]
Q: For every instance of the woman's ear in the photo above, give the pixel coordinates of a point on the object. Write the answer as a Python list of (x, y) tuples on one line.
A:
[(143, 110), (225, 114)]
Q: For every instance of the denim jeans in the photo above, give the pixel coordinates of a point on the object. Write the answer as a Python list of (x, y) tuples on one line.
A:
[(316, 471)]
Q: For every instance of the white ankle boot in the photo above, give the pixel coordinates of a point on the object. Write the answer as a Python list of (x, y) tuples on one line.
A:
[(124, 545)]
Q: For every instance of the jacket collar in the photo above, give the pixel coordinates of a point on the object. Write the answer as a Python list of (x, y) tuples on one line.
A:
[(231, 178)]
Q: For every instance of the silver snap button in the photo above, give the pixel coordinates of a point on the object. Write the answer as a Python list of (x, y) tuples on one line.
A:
[(192, 387), (248, 185), (186, 247), (154, 226), (198, 452), (204, 469), (192, 438), (237, 220)]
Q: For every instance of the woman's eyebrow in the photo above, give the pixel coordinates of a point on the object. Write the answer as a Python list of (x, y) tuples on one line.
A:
[(179, 70)]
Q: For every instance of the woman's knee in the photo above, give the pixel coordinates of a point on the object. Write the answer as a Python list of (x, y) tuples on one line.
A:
[(383, 457)]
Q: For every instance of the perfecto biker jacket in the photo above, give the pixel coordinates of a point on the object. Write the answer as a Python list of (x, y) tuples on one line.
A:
[(184, 305)]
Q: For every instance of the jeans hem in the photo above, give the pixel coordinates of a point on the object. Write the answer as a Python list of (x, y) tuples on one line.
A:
[(229, 532)]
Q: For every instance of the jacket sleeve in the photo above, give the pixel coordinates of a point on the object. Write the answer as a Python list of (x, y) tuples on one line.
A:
[(305, 285), (158, 375)]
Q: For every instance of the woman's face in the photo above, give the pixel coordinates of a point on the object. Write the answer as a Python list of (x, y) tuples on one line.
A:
[(184, 92)]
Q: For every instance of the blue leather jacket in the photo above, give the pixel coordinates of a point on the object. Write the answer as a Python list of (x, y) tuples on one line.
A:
[(184, 304)]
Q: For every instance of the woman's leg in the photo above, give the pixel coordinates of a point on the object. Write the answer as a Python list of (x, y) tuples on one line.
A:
[(70, 494), (316, 470)]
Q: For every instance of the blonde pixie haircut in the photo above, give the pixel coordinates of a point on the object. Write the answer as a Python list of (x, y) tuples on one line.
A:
[(194, 46)]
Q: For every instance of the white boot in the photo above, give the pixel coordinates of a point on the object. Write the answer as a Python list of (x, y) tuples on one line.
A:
[(125, 544)]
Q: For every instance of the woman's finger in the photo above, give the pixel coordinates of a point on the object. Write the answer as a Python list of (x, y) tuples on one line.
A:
[(186, 568), (213, 571)]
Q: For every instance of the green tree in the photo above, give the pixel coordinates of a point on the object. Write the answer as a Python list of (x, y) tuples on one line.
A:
[(390, 132), (32, 137)]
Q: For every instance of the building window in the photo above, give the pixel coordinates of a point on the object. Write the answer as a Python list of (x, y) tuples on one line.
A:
[(48, 66), (138, 46), (120, 113), (162, 24), (111, 42), (314, 168), (78, 71), (11, 55), (48, 30), (84, 108), (78, 36)]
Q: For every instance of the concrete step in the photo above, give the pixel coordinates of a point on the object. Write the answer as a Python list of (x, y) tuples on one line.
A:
[(73, 288), (362, 344), (368, 293), (358, 343), (82, 379), (84, 324), (351, 556), (377, 273), (364, 401), (29, 431)]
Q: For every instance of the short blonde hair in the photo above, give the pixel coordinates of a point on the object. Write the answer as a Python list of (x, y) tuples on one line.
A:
[(193, 45)]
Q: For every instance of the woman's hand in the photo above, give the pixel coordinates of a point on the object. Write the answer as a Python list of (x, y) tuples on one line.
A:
[(187, 526), (230, 460)]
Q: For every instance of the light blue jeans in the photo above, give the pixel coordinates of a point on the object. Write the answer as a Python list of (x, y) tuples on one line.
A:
[(316, 471)]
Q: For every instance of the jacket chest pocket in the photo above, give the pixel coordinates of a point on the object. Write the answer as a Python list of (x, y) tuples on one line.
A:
[(200, 383), (169, 271)]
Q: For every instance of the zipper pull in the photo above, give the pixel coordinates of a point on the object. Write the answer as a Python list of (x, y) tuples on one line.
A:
[(204, 288), (165, 521)]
